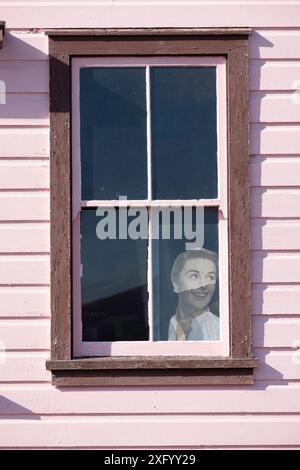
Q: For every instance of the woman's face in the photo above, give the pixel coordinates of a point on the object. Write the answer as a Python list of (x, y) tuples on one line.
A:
[(197, 282)]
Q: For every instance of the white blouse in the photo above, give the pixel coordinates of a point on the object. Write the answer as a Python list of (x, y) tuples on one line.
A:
[(205, 327)]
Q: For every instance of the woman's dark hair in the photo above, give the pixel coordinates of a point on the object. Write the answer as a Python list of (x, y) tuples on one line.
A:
[(181, 259)]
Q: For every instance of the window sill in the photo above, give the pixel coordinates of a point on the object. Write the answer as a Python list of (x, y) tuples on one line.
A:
[(151, 371)]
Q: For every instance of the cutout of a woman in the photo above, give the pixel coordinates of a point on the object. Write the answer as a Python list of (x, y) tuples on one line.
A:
[(194, 276)]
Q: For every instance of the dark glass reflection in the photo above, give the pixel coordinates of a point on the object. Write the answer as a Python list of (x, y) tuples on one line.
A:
[(114, 284), (184, 132), (113, 133), (165, 251)]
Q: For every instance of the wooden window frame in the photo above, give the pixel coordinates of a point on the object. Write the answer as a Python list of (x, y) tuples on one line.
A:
[(219, 203), (156, 370)]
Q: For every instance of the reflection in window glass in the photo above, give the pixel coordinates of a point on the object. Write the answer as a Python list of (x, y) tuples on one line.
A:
[(184, 132), (114, 277), (185, 283), (113, 133)]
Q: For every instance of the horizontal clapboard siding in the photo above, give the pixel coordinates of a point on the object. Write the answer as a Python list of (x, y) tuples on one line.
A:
[(121, 431), (152, 14), (29, 206), (275, 171), (267, 267), (31, 76), (274, 75), (21, 399), (26, 301), (24, 238), (30, 109), (21, 45), (34, 334), (28, 174), (23, 367), (273, 234), (275, 44), (24, 269), (25, 76), (275, 299), (277, 366), (274, 139), (35, 301), (25, 334), (274, 107), (279, 203), (24, 143), (276, 332), (29, 366), (265, 414), (275, 267), (34, 237)]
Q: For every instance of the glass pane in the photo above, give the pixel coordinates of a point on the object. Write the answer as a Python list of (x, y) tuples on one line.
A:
[(184, 132), (185, 278), (113, 133), (114, 279)]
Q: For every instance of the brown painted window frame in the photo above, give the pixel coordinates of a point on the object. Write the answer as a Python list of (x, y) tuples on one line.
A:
[(128, 371)]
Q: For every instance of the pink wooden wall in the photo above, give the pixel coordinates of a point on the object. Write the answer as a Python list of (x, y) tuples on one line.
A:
[(32, 412)]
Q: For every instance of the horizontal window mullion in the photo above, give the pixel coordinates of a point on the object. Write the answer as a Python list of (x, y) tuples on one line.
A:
[(151, 203)]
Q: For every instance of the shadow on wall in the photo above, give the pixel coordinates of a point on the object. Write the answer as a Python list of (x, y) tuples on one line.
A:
[(24, 79), (257, 43), (14, 410), (261, 212)]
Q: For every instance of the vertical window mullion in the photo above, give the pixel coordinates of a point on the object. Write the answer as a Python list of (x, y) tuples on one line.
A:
[(150, 277), (148, 105), (149, 181)]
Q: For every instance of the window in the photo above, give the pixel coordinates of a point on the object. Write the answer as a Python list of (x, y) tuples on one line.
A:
[(149, 207), (151, 134)]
